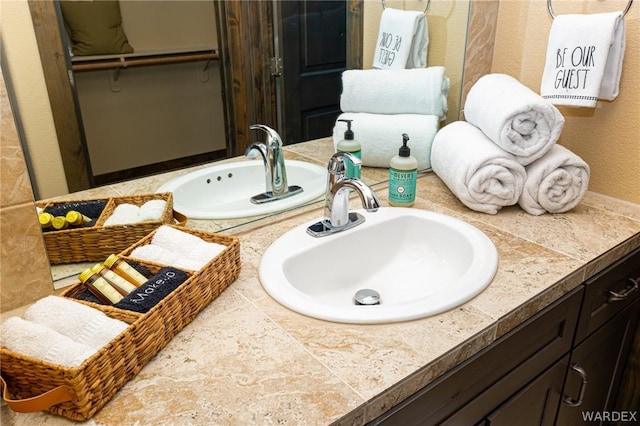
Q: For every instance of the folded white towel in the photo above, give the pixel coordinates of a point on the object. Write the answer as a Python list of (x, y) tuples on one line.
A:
[(43, 343), (129, 213), (483, 176), (179, 242), (380, 136), (81, 323), (584, 59), (190, 264), (403, 39), (151, 210), (414, 91), (555, 183), (513, 116), (154, 253), (123, 214), (172, 247)]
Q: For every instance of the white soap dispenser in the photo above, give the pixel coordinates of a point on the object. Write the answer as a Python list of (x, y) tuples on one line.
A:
[(403, 174), (352, 146)]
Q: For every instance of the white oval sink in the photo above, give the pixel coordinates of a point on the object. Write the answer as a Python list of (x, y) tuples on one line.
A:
[(224, 191), (421, 263)]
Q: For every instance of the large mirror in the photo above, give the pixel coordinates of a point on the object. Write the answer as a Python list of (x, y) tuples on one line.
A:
[(237, 22), (252, 87)]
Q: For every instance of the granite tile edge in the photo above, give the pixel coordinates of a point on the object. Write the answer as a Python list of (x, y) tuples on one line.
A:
[(605, 259)]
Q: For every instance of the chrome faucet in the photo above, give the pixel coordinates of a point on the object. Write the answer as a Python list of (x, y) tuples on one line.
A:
[(275, 172), (336, 215)]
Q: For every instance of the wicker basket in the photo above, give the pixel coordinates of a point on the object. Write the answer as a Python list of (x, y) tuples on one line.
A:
[(95, 243), (78, 393)]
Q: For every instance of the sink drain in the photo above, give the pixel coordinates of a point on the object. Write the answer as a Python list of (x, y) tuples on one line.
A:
[(367, 296)]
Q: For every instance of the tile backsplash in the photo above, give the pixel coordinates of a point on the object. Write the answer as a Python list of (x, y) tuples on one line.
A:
[(25, 275)]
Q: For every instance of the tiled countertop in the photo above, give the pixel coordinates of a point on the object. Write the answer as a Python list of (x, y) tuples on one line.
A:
[(247, 360)]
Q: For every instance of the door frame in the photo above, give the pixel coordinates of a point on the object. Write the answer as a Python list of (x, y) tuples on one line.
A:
[(249, 90)]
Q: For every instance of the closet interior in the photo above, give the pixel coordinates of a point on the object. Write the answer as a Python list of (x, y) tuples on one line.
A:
[(158, 107)]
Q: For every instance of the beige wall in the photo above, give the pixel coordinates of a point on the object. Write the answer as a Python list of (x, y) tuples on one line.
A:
[(24, 267), (23, 64), (607, 137)]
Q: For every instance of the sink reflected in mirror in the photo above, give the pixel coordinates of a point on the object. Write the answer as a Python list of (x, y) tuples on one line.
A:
[(402, 264), (224, 191)]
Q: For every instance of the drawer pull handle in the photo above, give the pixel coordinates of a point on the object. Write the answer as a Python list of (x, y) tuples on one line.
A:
[(583, 387), (631, 287)]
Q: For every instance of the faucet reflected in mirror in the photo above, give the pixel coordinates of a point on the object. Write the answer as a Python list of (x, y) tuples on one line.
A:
[(275, 172)]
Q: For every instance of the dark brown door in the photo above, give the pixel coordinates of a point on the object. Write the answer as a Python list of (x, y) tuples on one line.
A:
[(314, 55)]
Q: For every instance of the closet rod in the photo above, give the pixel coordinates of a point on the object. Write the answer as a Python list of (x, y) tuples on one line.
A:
[(122, 62)]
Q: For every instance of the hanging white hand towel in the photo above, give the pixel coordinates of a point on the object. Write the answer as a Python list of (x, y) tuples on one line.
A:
[(584, 59), (403, 39)]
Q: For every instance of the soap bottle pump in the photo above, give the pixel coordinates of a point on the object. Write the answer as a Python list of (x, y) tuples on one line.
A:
[(352, 146), (403, 173)]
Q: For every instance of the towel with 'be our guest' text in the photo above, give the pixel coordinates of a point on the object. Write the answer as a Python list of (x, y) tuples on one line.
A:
[(584, 59)]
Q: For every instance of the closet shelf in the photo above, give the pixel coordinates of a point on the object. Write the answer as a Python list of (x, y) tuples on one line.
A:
[(138, 60)]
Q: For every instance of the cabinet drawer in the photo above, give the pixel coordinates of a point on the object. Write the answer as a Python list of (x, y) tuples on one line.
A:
[(600, 302), (530, 348)]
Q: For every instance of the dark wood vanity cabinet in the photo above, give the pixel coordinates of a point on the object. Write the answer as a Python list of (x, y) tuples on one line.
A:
[(606, 331), (569, 359)]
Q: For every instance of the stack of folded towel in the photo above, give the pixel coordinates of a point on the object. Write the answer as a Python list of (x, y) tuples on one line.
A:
[(130, 213), (170, 246), (60, 331), (506, 152), (384, 104)]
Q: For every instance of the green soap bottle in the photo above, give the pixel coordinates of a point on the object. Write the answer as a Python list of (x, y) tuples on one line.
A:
[(403, 173), (352, 146)]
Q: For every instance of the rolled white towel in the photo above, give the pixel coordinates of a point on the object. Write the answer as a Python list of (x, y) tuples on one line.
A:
[(513, 116), (153, 253), (41, 342), (403, 91), (189, 264), (152, 210), (380, 136), (555, 183), (123, 214), (484, 177), (200, 255), (81, 323), (186, 247)]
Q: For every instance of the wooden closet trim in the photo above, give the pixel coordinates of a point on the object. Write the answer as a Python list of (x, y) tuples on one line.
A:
[(75, 159), (245, 37)]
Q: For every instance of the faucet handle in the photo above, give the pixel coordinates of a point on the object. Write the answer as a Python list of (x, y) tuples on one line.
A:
[(273, 136), (337, 164)]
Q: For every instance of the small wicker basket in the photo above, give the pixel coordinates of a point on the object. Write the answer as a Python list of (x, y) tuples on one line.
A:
[(78, 393), (95, 243)]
